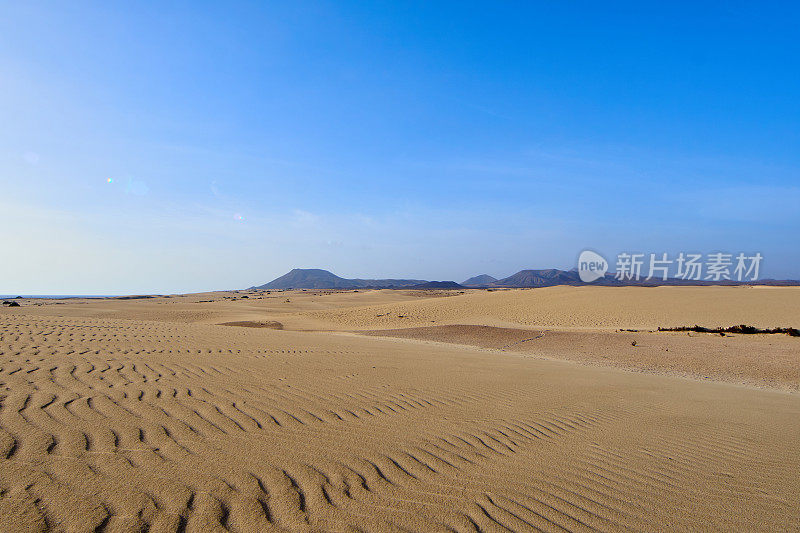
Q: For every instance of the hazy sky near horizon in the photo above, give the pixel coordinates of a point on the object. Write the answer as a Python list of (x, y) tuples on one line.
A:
[(152, 147)]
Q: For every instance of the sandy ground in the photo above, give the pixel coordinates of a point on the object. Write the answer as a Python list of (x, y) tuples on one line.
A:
[(128, 415), (769, 361), (584, 308)]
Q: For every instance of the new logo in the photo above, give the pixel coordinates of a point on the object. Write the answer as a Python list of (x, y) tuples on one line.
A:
[(591, 266)]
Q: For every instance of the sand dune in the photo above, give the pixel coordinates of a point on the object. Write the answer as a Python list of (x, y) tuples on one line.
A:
[(585, 307), (771, 361), (156, 422)]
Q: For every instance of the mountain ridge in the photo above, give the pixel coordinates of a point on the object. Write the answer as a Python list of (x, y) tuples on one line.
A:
[(316, 278), (481, 280)]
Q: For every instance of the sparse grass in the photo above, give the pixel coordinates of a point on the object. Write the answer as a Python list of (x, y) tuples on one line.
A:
[(741, 329)]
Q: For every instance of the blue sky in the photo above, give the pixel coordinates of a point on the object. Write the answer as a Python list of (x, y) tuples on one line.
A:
[(379, 139)]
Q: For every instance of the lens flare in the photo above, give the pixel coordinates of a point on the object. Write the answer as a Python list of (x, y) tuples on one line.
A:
[(238, 217), (110, 180)]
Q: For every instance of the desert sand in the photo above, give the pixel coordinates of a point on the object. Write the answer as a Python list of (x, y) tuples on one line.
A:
[(515, 410)]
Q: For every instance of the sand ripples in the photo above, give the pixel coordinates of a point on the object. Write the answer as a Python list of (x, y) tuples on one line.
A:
[(129, 426)]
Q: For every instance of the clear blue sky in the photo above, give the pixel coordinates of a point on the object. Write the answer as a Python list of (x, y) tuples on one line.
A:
[(379, 139)]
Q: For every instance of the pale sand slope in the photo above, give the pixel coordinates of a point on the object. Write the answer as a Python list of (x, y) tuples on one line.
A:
[(584, 307), (771, 361), (766, 361), (111, 424), (217, 307)]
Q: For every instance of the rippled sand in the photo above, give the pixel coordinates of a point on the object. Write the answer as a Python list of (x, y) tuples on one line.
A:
[(127, 415)]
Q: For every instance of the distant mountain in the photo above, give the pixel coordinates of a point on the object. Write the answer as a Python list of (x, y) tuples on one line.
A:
[(539, 278), (315, 278), (554, 276), (428, 285), (387, 283), (308, 278), (479, 281)]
